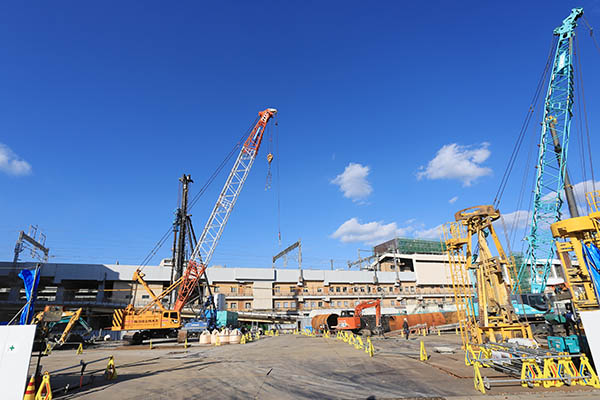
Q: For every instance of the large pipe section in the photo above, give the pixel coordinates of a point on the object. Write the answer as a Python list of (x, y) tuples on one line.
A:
[(324, 322)]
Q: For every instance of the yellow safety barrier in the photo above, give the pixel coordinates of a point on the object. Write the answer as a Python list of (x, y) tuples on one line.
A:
[(111, 371), (477, 378), (243, 339), (585, 369), (550, 370), (567, 370), (80, 349), (469, 355), (45, 391), (369, 349), (150, 344), (529, 372), (185, 345), (358, 345), (217, 341), (423, 353)]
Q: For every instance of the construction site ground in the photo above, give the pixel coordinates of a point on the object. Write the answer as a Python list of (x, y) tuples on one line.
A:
[(281, 367)]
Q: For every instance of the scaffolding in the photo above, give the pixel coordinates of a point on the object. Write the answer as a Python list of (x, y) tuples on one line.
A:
[(454, 237), (420, 246)]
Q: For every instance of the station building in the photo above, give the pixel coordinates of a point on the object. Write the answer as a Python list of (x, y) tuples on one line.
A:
[(408, 276)]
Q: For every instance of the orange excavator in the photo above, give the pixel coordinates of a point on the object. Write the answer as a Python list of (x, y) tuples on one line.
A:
[(366, 325)]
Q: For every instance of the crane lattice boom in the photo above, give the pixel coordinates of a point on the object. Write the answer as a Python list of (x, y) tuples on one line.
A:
[(552, 159), (213, 229)]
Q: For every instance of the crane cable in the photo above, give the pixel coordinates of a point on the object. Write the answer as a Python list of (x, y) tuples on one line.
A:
[(195, 199), (278, 181), (587, 128), (524, 127)]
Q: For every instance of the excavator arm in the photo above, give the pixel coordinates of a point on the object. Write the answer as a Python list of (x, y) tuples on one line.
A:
[(368, 304)]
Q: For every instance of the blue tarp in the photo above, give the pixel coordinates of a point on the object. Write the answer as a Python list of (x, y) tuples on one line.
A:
[(31, 279), (592, 261)]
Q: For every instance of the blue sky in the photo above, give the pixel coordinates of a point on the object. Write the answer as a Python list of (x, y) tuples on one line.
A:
[(386, 114)]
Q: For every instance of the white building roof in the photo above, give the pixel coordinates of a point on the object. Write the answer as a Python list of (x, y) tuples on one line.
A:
[(220, 274)]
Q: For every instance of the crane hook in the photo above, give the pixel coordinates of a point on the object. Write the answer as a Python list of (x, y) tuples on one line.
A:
[(269, 158)]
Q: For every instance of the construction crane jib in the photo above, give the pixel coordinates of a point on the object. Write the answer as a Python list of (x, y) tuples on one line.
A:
[(220, 214), (551, 176)]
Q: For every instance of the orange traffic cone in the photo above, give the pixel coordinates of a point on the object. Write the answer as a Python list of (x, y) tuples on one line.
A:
[(30, 391)]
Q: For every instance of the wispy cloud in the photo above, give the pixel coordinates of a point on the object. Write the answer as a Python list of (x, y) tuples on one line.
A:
[(434, 233), (453, 200), (454, 161), (516, 220), (12, 164), (353, 182)]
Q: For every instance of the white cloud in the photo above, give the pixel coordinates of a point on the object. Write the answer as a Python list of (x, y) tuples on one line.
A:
[(579, 189), (454, 161), (371, 232), (516, 220), (432, 233), (453, 200), (353, 182), (11, 163)]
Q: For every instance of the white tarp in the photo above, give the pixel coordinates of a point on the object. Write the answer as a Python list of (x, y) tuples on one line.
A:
[(16, 343), (591, 324)]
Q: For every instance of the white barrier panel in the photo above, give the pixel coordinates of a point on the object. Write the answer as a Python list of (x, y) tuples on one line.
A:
[(16, 343), (591, 324)]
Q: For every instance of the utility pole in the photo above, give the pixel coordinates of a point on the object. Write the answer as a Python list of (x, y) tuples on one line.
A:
[(331, 264)]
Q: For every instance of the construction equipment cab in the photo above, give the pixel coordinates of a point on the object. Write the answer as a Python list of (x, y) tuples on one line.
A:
[(357, 322)]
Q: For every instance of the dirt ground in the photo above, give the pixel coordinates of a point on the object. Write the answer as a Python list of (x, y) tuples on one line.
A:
[(282, 367)]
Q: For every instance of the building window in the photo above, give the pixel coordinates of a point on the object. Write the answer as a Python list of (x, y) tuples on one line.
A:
[(412, 289), (379, 288), (233, 305), (233, 290), (216, 289), (305, 290), (391, 289), (368, 289), (285, 304), (344, 289), (293, 304), (400, 288), (145, 296), (392, 267), (393, 303), (330, 289), (337, 289), (355, 289), (292, 289), (276, 289), (312, 304), (319, 290), (320, 304), (356, 302), (278, 305), (345, 304), (248, 305), (339, 303), (362, 289)]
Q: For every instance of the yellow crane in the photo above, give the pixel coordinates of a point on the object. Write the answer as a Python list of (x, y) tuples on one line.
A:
[(468, 249)]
